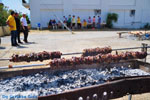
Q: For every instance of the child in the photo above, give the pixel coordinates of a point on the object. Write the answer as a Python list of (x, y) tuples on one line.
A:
[(54, 24), (59, 25), (78, 23), (73, 22), (89, 23), (84, 24), (69, 21), (65, 22), (93, 22), (99, 22)]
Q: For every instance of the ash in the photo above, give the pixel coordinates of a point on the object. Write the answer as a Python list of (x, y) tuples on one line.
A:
[(46, 84)]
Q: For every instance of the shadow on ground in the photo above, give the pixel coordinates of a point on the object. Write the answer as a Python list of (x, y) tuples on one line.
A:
[(29, 43), (2, 47), (21, 47)]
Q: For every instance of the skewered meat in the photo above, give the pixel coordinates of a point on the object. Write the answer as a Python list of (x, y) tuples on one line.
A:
[(100, 58), (96, 51), (35, 56)]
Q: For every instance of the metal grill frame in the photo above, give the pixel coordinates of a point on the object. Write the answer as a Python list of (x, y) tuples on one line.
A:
[(112, 89), (106, 91)]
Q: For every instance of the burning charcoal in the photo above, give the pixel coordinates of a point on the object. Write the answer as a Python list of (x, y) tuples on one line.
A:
[(83, 78), (47, 83), (62, 82)]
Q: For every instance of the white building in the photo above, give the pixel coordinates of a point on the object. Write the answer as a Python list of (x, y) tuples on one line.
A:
[(132, 13)]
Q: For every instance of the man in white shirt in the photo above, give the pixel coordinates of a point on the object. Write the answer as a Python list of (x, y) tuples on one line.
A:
[(24, 27)]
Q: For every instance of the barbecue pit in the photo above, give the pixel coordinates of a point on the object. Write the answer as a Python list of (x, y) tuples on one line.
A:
[(113, 87)]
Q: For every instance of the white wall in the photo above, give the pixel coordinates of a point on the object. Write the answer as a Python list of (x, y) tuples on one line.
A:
[(44, 10), (46, 15), (122, 2), (34, 12)]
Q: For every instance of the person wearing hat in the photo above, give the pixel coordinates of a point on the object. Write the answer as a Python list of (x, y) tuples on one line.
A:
[(24, 27), (12, 27)]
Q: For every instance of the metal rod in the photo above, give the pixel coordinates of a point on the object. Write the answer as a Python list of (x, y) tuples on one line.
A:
[(77, 53), (64, 24), (144, 48), (129, 48), (3, 59), (23, 66), (130, 97), (112, 50)]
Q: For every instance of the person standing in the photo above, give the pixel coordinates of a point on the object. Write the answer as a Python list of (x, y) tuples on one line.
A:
[(99, 22), (12, 27), (79, 22), (73, 22), (69, 21), (24, 27), (94, 22), (18, 27)]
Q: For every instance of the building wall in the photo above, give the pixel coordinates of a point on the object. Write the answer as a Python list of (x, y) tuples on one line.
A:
[(44, 10)]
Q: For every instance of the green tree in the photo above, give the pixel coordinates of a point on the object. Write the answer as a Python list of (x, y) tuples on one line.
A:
[(4, 13)]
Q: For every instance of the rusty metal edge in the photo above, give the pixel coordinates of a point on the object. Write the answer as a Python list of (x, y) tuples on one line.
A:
[(114, 89), (92, 88)]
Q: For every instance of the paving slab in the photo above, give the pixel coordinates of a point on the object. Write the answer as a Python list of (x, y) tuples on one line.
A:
[(67, 43)]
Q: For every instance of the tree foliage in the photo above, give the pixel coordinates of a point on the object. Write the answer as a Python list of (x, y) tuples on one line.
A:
[(111, 17), (4, 13)]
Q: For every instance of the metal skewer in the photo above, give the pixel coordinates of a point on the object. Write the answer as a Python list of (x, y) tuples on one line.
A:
[(22, 66), (77, 53)]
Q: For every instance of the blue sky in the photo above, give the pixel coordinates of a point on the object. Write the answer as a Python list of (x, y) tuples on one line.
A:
[(16, 5)]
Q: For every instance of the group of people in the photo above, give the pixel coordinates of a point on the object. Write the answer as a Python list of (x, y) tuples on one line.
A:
[(76, 23), (15, 25)]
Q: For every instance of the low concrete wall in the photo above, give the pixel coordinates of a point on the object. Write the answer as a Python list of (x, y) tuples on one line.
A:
[(6, 31)]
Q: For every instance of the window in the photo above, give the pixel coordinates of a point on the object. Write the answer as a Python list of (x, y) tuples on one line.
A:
[(24, 1), (132, 13), (97, 12)]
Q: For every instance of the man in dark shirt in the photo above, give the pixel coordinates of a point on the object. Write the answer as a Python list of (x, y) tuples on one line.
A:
[(18, 27)]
